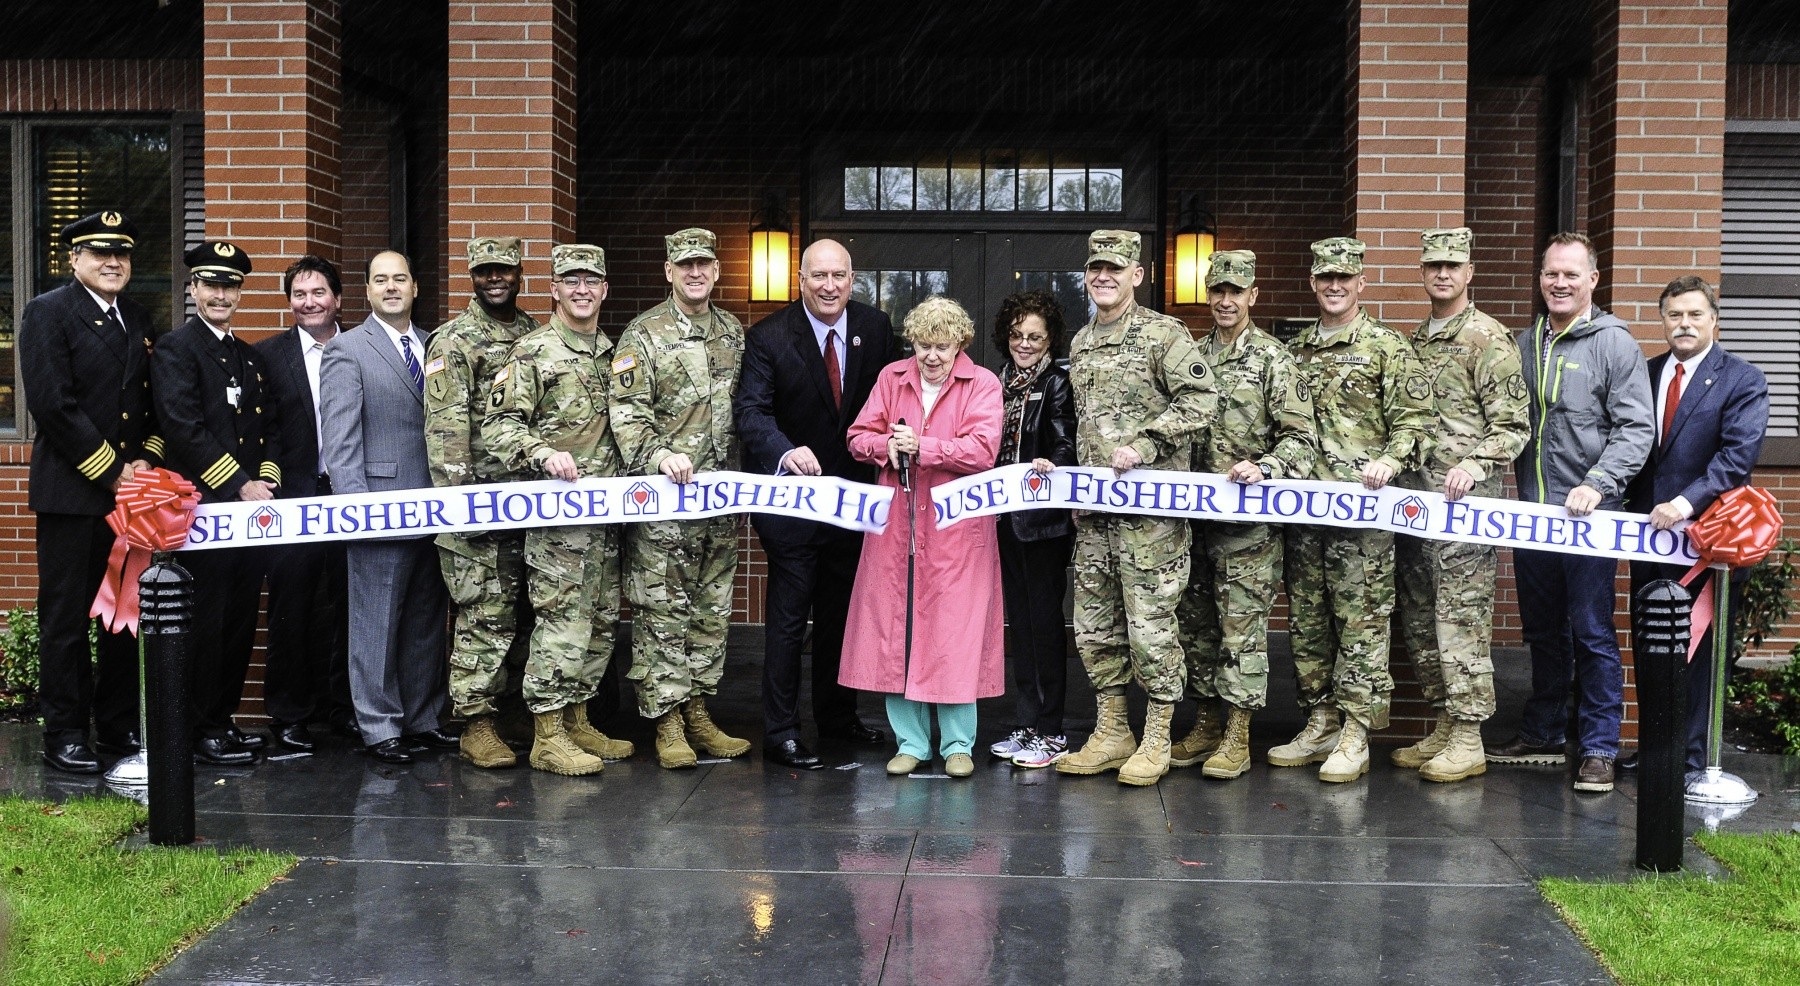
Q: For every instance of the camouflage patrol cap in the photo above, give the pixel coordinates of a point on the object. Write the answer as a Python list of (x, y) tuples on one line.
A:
[(109, 231), (1118, 247), (1445, 246), (1234, 267), (217, 262), (568, 257), (691, 243), (506, 251), (1338, 255)]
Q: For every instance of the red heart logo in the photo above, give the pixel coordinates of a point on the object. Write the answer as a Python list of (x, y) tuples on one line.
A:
[(264, 520), (1411, 510), (641, 496), (1035, 482)]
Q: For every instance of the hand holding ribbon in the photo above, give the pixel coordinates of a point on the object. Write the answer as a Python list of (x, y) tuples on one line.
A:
[(152, 512)]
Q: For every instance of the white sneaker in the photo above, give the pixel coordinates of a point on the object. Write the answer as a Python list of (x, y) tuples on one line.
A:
[(1042, 751), (1009, 747)]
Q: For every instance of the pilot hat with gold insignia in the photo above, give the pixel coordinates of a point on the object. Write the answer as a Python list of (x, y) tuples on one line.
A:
[(217, 262), (109, 231)]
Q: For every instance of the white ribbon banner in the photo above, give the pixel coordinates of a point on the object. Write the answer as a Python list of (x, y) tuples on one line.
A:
[(1208, 496), (537, 503)]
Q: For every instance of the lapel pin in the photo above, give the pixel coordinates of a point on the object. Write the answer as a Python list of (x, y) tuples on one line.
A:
[(855, 341), (1709, 381)]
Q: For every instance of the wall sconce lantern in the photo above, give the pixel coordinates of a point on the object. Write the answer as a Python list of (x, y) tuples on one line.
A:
[(769, 250), (1194, 237)]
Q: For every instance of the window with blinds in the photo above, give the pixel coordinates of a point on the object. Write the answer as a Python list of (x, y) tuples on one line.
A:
[(1759, 294)]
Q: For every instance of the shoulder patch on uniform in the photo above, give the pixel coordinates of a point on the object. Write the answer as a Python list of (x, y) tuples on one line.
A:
[(1515, 386), (435, 366), (624, 363), (1417, 387), (1198, 370), (505, 371)]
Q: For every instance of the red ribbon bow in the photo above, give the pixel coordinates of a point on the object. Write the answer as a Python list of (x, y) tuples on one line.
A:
[(152, 512), (1738, 530)]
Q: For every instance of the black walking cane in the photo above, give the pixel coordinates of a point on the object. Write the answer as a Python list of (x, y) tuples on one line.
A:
[(912, 548)]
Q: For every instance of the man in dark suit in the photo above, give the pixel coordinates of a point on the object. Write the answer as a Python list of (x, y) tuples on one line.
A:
[(84, 359), (372, 411), (307, 674), (1712, 409), (217, 414), (808, 369)]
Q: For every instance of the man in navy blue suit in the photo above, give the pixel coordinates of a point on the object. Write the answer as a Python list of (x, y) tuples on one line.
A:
[(1712, 409)]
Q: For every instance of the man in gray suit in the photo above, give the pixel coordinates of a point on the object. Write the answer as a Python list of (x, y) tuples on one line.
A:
[(372, 412)]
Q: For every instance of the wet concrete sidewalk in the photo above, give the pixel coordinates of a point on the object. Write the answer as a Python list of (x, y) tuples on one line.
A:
[(743, 872)]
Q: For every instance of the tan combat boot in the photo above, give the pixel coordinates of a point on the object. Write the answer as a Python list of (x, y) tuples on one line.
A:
[(1203, 739), (1314, 743), (1351, 758), (672, 749), (575, 722), (703, 733), (554, 751), (1413, 757), (482, 746), (1110, 744), (1233, 755), (1462, 758), (1151, 761)]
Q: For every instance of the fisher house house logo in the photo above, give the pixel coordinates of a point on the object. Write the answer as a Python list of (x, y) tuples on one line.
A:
[(264, 523), (1035, 488), (1412, 514), (640, 499)]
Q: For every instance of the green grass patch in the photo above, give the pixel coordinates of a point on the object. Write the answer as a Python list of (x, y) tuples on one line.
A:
[(1687, 929), (86, 911)]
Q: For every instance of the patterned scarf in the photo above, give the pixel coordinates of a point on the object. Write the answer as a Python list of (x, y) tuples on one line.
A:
[(1015, 384)]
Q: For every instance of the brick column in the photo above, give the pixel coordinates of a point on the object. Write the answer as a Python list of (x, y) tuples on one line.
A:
[(272, 100), (1659, 150), (511, 134), (1408, 122)]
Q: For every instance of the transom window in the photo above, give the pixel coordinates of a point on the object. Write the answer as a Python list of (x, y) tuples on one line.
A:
[(985, 181)]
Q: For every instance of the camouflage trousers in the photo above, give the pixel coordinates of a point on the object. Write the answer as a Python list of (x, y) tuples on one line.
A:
[(573, 577), (486, 578), (678, 575), (1224, 614), (1446, 591), (1340, 598), (1129, 576)]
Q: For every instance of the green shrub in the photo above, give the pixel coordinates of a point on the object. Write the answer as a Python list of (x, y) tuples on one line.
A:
[(19, 658), (1767, 602), (1772, 698)]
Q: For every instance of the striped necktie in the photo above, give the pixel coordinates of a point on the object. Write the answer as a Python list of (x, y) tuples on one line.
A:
[(412, 363)]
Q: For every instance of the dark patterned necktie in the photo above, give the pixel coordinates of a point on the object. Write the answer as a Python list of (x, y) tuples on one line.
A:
[(412, 364)]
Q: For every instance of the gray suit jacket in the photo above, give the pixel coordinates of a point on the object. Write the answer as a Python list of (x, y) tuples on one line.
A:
[(372, 415)]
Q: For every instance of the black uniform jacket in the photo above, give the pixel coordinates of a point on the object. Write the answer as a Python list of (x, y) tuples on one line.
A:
[(87, 384), (217, 443)]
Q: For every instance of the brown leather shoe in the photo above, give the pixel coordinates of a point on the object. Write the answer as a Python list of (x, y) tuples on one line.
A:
[(1596, 774), (1516, 750)]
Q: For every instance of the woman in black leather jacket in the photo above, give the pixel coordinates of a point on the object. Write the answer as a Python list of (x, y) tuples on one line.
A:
[(1035, 545)]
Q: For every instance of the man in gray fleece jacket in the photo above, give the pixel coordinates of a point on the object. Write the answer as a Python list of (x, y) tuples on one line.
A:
[(1592, 426)]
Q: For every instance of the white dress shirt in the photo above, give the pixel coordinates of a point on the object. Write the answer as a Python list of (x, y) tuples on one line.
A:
[(312, 353), (1689, 367)]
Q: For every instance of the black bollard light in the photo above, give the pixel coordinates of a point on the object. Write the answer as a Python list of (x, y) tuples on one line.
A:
[(1659, 642), (165, 621)]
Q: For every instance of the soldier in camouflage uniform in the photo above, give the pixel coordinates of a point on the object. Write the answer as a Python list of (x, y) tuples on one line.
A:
[(547, 416), (673, 374), (1143, 393), (1264, 431), (485, 572), (1447, 587), (1370, 403)]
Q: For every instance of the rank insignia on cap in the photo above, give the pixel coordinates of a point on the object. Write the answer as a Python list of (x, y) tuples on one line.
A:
[(224, 250), (112, 218)]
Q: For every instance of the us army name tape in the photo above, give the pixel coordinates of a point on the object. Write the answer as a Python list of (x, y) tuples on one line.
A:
[(537, 503), (1208, 496)]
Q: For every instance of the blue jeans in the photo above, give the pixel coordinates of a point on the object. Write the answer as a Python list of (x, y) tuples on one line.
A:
[(1566, 606)]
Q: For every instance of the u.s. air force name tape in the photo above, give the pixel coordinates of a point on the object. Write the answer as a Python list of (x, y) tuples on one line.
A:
[(537, 503), (1207, 496)]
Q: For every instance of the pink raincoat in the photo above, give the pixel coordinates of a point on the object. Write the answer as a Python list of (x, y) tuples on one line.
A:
[(959, 651)]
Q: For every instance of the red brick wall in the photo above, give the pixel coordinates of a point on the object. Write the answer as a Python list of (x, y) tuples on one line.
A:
[(272, 159), (1506, 147)]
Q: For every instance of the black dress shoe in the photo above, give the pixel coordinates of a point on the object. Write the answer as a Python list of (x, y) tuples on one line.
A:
[(344, 724), (222, 750), (293, 736), (433, 739), (1627, 762), (72, 758), (390, 751), (249, 741), (855, 732), (125, 743), (791, 753)]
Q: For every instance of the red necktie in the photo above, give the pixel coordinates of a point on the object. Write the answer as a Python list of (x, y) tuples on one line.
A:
[(1671, 401), (832, 373)]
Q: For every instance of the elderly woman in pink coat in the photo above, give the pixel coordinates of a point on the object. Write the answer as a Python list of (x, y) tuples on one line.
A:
[(951, 411)]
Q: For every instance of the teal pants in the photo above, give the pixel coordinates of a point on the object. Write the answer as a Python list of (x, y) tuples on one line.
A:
[(912, 726)]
